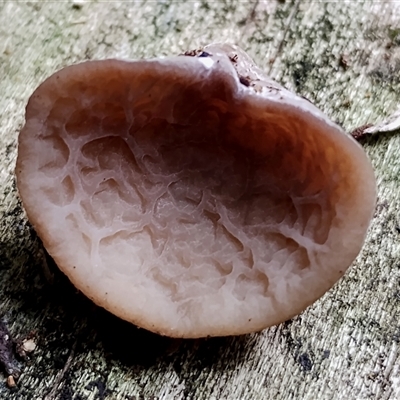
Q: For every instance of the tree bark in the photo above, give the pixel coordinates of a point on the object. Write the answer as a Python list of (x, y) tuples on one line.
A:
[(345, 58)]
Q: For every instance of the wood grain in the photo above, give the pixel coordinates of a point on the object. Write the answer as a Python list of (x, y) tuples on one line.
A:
[(343, 56)]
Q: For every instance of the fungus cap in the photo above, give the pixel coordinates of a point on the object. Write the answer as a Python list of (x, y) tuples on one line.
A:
[(192, 196)]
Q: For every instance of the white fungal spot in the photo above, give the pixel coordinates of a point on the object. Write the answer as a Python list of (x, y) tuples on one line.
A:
[(208, 62)]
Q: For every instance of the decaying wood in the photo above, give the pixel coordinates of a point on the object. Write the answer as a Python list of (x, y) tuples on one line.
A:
[(7, 354), (345, 58)]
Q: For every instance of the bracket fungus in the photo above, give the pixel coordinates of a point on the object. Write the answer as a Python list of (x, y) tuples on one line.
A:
[(192, 195)]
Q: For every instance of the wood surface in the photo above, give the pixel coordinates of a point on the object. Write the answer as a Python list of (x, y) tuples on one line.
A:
[(345, 57)]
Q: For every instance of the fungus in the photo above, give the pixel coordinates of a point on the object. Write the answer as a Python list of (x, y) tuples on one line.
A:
[(192, 195)]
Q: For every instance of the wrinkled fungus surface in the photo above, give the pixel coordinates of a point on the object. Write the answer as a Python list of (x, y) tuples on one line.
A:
[(191, 195)]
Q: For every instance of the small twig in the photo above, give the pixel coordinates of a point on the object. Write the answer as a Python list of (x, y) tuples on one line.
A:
[(252, 13), (288, 23), (44, 257), (7, 351), (250, 17), (390, 124), (359, 133), (55, 388)]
